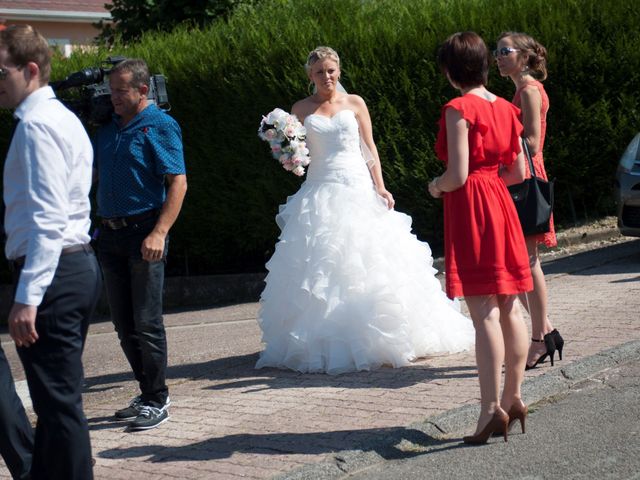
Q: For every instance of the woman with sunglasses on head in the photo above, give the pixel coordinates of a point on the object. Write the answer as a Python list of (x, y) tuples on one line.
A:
[(524, 60), (485, 253)]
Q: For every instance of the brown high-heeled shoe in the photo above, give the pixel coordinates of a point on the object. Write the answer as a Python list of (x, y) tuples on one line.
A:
[(500, 420), (518, 411)]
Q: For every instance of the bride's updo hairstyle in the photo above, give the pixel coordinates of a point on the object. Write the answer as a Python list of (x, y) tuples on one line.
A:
[(465, 57), (320, 53), (533, 53)]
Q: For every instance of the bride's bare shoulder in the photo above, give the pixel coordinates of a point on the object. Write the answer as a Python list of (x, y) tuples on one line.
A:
[(356, 103), (302, 108)]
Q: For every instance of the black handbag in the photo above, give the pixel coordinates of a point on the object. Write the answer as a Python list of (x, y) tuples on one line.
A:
[(533, 199)]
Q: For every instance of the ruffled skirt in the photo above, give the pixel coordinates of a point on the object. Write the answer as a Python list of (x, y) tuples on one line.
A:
[(351, 288)]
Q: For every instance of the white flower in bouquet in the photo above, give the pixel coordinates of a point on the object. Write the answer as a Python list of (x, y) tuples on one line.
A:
[(286, 136), (278, 118)]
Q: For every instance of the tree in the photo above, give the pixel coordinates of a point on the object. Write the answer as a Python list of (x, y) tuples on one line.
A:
[(131, 18)]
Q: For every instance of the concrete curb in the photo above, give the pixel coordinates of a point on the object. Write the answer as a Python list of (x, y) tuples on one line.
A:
[(585, 237), (454, 422)]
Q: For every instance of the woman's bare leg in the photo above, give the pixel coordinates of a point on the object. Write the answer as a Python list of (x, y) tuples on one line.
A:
[(485, 314), (535, 302), (516, 342)]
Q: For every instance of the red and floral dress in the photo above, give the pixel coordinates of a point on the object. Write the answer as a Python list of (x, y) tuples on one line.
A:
[(485, 251), (549, 238)]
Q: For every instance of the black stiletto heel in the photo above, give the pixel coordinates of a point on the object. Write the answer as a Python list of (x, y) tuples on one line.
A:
[(558, 340), (551, 350)]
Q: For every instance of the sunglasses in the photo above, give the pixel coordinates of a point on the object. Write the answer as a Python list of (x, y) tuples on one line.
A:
[(4, 72), (504, 52)]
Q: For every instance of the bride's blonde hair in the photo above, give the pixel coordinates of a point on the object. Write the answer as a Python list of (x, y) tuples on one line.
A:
[(320, 53)]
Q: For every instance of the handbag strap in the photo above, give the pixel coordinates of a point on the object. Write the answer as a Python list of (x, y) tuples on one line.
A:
[(525, 147)]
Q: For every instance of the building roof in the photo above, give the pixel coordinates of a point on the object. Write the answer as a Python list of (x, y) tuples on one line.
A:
[(54, 10)]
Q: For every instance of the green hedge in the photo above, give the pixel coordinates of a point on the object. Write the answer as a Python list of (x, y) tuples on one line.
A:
[(223, 78)]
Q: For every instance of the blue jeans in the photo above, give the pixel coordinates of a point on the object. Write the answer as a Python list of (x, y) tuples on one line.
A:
[(134, 290)]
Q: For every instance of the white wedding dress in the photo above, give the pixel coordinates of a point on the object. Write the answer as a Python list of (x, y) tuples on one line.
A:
[(349, 286)]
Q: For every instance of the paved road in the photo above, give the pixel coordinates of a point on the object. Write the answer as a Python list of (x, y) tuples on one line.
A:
[(589, 432), (231, 421)]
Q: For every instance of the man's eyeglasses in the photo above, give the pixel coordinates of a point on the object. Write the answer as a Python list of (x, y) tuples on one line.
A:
[(4, 72), (504, 52)]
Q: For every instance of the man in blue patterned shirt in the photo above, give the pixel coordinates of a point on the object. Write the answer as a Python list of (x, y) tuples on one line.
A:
[(141, 187)]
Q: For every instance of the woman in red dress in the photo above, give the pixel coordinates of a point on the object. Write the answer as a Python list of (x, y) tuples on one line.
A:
[(523, 59), (485, 253)]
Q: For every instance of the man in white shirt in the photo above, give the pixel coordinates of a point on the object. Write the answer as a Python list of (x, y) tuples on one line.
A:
[(47, 178)]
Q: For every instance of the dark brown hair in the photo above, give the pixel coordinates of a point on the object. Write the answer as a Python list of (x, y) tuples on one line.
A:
[(24, 44), (465, 57), (533, 53)]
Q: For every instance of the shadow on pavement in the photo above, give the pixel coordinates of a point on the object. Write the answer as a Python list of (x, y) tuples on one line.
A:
[(105, 422), (398, 443), (387, 378), (239, 372)]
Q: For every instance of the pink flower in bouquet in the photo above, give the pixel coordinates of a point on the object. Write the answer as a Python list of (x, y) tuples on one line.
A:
[(270, 134), (285, 159), (297, 160), (286, 136)]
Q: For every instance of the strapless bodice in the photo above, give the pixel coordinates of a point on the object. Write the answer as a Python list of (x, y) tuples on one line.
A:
[(334, 148)]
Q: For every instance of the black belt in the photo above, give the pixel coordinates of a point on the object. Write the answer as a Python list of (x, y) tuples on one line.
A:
[(83, 247), (116, 223)]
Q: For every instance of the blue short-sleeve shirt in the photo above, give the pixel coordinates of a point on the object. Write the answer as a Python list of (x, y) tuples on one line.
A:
[(132, 162)]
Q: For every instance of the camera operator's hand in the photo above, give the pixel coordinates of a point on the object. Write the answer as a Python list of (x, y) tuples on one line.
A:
[(153, 247)]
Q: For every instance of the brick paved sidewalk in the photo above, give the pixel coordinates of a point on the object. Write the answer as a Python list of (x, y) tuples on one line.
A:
[(230, 421)]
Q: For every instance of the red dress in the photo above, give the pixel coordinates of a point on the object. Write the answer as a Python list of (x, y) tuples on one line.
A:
[(549, 238), (485, 252)]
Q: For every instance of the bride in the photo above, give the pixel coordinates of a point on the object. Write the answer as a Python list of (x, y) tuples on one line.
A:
[(349, 286)]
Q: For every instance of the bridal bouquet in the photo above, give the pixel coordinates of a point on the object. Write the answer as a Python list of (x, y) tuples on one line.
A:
[(286, 136)]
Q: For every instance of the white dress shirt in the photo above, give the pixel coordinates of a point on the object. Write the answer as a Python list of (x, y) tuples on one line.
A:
[(47, 178)]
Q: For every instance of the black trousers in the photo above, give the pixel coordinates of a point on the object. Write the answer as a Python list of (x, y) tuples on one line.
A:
[(16, 434), (53, 366)]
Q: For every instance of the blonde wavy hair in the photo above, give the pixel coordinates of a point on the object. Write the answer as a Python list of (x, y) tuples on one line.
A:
[(320, 53)]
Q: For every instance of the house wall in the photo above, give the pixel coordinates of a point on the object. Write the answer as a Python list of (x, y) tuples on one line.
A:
[(65, 36)]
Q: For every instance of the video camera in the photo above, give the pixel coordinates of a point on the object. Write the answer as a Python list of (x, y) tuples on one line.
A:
[(92, 99)]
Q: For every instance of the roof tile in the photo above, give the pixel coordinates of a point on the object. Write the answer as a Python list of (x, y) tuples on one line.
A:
[(56, 5)]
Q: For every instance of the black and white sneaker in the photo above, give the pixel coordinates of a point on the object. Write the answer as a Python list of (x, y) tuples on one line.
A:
[(133, 410), (149, 417), (130, 412)]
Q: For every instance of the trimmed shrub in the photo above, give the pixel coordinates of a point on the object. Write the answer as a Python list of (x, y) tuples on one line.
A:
[(221, 79)]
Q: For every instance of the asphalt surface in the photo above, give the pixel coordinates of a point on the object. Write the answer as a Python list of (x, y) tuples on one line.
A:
[(589, 431)]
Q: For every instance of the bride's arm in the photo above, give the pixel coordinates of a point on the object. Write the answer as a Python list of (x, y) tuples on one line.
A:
[(298, 110), (366, 131)]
